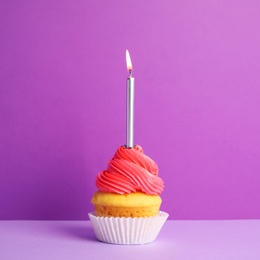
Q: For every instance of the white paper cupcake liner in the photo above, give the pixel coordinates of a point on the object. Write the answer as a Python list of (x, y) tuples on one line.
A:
[(127, 230)]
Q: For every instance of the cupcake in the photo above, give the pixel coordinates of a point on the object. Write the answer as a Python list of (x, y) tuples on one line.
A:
[(127, 203)]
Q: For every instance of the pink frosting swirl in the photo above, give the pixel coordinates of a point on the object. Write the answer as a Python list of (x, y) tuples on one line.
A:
[(130, 170)]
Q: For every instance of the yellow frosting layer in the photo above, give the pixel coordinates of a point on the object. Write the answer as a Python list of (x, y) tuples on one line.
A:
[(135, 199)]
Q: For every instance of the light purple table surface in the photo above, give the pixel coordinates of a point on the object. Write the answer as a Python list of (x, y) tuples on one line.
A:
[(181, 239)]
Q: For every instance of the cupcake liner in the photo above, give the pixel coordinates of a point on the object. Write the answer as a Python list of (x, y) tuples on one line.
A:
[(127, 230)]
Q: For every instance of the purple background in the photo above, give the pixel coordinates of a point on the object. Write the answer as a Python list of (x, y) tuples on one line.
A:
[(62, 103)]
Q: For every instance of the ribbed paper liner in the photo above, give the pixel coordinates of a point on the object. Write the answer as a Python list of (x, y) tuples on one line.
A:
[(127, 230)]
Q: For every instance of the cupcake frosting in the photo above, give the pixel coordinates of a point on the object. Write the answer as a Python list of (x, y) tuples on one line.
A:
[(130, 170)]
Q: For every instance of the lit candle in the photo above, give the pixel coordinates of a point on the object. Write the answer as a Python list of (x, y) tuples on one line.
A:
[(129, 104)]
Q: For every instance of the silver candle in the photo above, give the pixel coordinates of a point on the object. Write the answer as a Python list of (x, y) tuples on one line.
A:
[(129, 104)]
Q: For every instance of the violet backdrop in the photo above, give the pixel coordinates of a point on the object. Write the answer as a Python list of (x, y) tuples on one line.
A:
[(62, 103)]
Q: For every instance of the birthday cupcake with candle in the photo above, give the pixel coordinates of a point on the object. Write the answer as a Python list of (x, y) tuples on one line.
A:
[(127, 203)]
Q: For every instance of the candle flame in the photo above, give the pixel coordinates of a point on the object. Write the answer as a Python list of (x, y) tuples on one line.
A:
[(128, 61)]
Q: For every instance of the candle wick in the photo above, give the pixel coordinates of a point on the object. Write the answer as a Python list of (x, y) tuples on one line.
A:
[(130, 73)]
